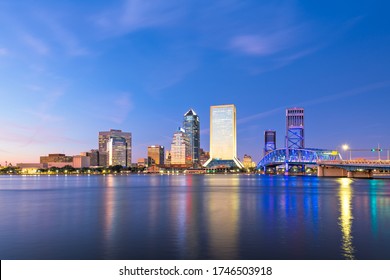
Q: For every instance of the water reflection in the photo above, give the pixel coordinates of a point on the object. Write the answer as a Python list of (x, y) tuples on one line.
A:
[(109, 216), (223, 215), (346, 218)]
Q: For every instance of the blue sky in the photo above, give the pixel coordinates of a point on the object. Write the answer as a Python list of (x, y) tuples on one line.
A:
[(69, 69)]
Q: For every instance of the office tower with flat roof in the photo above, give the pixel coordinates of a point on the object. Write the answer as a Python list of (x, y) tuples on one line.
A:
[(116, 151), (180, 149), (104, 139), (269, 141), (191, 126), (295, 137), (94, 155), (156, 155), (223, 138)]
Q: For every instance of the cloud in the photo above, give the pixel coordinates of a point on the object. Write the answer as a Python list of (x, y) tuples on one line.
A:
[(261, 115), (41, 112), (265, 44), (62, 35), (120, 107), (349, 93), (36, 44), (3, 52), (133, 15), (328, 98)]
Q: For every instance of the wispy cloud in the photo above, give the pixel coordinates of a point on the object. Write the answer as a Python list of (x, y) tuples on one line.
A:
[(119, 109), (132, 15), (268, 43), (64, 37), (36, 44), (368, 89), (42, 112), (261, 115), (3, 51)]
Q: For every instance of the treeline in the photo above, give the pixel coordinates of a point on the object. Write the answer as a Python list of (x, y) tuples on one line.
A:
[(68, 169)]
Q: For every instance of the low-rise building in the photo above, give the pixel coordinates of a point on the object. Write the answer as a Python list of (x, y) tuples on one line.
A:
[(31, 168)]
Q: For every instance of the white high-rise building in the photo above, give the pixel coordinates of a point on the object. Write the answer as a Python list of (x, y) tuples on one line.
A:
[(116, 151), (223, 137)]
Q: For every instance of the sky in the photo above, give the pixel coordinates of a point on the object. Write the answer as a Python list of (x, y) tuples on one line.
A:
[(69, 69)]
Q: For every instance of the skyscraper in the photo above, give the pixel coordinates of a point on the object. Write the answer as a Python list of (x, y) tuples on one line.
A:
[(191, 127), (180, 148), (116, 146), (223, 139), (295, 138), (156, 155), (116, 151)]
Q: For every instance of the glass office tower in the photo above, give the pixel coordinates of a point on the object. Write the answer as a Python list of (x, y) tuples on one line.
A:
[(191, 126), (104, 138), (223, 138)]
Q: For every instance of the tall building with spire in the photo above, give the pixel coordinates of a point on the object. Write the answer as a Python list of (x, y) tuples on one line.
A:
[(191, 127), (223, 137)]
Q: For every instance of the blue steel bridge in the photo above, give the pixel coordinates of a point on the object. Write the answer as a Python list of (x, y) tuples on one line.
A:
[(297, 157)]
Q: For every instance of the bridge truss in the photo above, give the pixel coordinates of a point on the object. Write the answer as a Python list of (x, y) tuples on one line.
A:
[(297, 157)]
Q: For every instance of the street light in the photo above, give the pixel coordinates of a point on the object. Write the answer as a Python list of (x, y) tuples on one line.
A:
[(347, 148)]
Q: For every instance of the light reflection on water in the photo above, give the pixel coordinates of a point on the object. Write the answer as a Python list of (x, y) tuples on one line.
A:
[(346, 217), (193, 217)]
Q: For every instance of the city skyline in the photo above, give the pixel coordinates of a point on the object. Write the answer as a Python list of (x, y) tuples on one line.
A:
[(70, 69)]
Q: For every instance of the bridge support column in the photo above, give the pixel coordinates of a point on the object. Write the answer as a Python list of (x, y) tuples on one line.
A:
[(286, 169), (368, 174), (326, 171), (320, 171)]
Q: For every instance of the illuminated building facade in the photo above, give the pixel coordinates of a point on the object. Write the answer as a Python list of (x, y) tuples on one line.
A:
[(248, 162), (116, 151), (269, 141), (191, 127), (223, 139), (156, 155), (180, 149), (104, 139)]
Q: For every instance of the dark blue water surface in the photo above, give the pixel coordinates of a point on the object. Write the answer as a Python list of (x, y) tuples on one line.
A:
[(193, 217)]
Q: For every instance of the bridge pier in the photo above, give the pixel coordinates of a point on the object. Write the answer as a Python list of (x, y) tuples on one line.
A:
[(327, 171), (286, 167), (368, 174)]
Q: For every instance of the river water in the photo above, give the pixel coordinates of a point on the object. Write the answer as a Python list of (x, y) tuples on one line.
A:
[(193, 217)]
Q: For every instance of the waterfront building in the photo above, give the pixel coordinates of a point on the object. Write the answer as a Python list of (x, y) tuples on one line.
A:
[(81, 161), (295, 126), (203, 156), (31, 168), (191, 127), (269, 141), (156, 155), (168, 157), (116, 151), (223, 138), (248, 162), (104, 139), (93, 157), (60, 164), (180, 149), (58, 158), (142, 162)]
